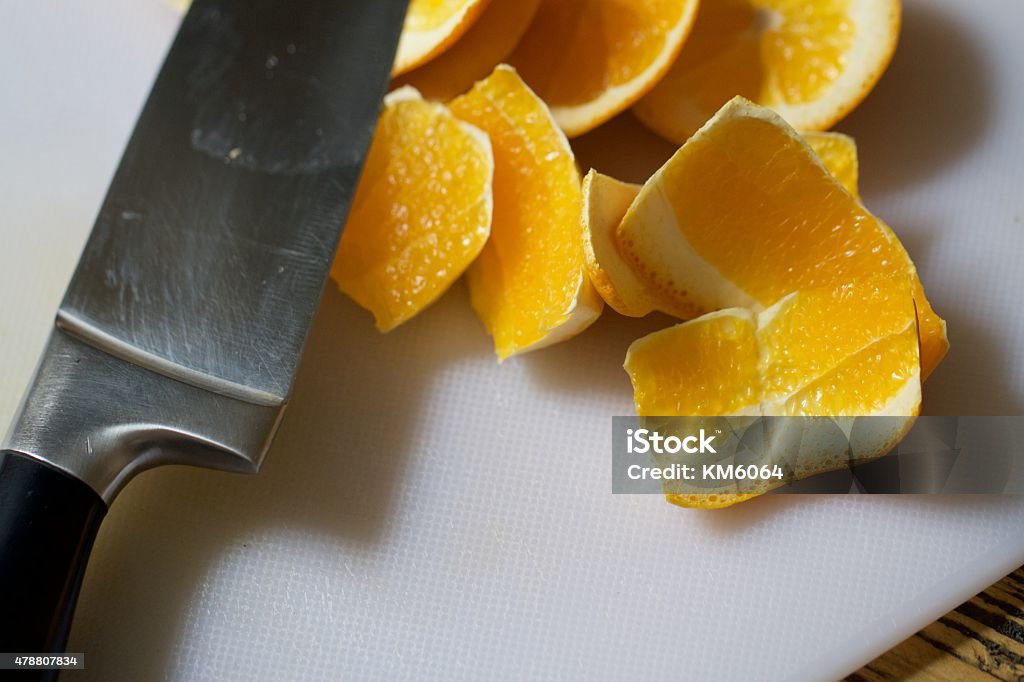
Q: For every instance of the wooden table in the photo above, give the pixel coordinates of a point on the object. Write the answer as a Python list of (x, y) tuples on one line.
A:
[(982, 639)]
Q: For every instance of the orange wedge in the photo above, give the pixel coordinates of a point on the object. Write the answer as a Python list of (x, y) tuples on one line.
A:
[(487, 43), (431, 27), (421, 213), (606, 201), (812, 61), (843, 351), (528, 286), (745, 213), (591, 59)]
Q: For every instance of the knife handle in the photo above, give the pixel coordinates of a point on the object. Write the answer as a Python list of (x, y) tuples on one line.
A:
[(48, 522)]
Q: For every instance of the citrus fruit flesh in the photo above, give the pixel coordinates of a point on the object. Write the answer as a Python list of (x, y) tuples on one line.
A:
[(849, 350), (842, 351), (812, 61), (486, 44), (838, 153), (745, 213), (431, 27), (606, 201), (528, 286), (421, 213), (591, 59)]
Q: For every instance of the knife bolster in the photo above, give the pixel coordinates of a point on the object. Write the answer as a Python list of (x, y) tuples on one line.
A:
[(102, 419)]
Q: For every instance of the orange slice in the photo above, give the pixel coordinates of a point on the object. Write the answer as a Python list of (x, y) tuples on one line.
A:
[(812, 61), (421, 213), (591, 59), (744, 214), (606, 201), (431, 27), (528, 286), (487, 43), (843, 351)]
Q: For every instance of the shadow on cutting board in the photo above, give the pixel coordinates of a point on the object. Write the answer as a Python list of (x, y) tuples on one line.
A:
[(956, 387), (335, 469), (964, 382), (930, 108), (602, 349)]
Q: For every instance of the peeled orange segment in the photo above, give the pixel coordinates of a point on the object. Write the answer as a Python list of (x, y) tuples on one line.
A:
[(606, 201), (838, 153), (812, 61), (421, 213), (591, 59), (487, 43), (843, 351), (431, 27), (745, 213), (528, 286)]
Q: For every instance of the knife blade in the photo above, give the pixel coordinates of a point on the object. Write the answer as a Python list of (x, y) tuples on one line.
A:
[(180, 332)]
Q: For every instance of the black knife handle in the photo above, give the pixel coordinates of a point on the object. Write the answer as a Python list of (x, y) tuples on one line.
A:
[(48, 522)]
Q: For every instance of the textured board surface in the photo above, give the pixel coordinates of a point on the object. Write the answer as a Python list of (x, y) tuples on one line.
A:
[(426, 514)]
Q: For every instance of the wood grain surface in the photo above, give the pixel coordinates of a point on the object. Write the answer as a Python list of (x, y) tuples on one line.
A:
[(982, 639)]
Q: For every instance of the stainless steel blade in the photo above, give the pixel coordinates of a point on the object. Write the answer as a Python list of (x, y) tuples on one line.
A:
[(209, 254)]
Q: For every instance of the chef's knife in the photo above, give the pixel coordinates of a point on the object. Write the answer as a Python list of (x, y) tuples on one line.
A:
[(179, 335)]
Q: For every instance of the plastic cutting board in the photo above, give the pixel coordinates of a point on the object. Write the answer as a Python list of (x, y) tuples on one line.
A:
[(427, 514)]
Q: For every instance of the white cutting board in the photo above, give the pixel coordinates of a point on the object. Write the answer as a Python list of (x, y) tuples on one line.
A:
[(426, 514)]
